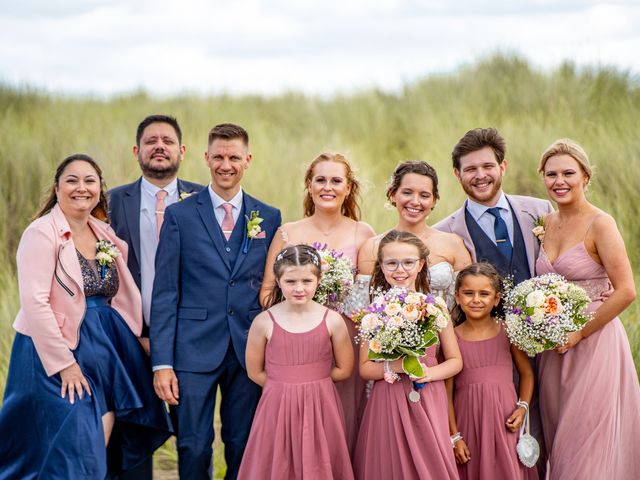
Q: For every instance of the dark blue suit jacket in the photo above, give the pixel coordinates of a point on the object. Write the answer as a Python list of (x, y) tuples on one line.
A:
[(202, 300), (124, 211)]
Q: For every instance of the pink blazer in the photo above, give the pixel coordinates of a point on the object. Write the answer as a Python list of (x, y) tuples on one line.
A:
[(52, 301), (526, 210)]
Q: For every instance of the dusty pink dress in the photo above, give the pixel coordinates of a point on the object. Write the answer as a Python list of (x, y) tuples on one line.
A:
[(484, 398), (590, 397), (352, 391), (401, 440), (298, 428)]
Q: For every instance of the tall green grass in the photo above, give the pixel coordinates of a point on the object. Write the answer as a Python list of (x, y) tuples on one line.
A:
[(598, 107)]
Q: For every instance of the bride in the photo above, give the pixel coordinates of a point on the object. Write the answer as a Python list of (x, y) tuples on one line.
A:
[(413, 191)]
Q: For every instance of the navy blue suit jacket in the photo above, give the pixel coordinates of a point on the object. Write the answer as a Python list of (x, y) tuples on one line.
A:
[(124, 211), (202, 300)]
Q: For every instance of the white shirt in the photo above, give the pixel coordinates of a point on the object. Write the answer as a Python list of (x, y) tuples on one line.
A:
[(487, 221), (217, 201), (149, 237)]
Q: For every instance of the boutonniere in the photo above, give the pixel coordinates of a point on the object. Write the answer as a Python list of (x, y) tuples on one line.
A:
[(184, 195), (106, 254), (538, 228), (253, 229)]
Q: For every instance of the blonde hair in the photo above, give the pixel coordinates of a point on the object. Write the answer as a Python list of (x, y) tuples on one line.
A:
[(566, 146)]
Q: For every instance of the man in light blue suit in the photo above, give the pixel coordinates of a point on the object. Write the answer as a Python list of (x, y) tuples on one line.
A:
[(133, 207), (496, 227), (208, 273)]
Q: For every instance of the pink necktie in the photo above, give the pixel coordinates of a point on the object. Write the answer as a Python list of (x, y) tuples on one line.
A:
[(160, 208), (227, 221)]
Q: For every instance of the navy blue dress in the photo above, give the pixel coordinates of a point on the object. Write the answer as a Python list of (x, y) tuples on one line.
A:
[(44, 436)]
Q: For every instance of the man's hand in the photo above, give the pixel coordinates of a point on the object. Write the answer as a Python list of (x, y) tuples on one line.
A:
[(165, 383)]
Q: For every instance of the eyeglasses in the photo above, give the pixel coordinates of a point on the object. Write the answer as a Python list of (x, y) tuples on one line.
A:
[(407, 264)]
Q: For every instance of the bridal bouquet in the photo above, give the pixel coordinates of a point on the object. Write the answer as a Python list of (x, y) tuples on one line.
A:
[(542, 311), (400, 323), (336, 280)]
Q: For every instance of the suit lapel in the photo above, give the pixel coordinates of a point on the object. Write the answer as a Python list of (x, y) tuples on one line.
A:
[(182, 188), (249, 204), (131, 208), (525, 219), (459, 227), (205, 210)]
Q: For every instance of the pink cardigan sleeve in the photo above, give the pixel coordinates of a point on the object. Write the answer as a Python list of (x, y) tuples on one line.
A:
[(36, 260)]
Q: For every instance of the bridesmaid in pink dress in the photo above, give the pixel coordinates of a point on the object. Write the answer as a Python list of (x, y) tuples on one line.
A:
[(331, 216), (589, 392), (485, 414), (295, 351), (400, 439)]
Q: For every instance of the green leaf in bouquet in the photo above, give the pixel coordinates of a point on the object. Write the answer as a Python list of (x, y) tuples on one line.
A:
[(429, 338), (411, 366), (414, 352), (548, 345), (382, 356)]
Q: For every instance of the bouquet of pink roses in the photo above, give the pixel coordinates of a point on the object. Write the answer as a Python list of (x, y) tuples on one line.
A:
[(402, 323)]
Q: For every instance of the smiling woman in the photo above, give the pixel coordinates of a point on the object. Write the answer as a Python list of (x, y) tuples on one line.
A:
[(76, 349)]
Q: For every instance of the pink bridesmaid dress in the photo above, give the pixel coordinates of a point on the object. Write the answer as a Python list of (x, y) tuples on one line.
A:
[(401, 440), (352, 391), (484, 398), (590, 397), (298, 429)]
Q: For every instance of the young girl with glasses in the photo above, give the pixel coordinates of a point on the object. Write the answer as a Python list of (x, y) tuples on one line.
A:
[(295, 351), (399, 438)]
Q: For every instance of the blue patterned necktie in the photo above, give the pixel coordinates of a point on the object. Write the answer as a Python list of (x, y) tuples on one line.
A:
[(502, 234)]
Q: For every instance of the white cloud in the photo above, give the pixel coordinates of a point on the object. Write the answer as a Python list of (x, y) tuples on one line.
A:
[(110, 46)]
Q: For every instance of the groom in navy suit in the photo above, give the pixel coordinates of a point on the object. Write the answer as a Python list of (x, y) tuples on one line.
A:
[(205, 296), (136, 214)]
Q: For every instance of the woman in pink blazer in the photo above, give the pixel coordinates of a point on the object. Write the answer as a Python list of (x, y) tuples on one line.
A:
[(79, 380)]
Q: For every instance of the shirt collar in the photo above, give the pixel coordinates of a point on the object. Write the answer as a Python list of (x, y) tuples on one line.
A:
[(152, 189), (217, 200), (477, 209)]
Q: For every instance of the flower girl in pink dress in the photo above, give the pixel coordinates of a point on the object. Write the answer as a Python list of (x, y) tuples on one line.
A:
[(484, 412), (399, 438), (295, 351)]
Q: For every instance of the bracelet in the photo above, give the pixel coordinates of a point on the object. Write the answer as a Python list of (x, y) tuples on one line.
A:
[(455, 437), (522, 404), (389, 375)]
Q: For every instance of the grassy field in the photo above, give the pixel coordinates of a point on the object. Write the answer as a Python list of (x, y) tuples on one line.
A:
[(599, 108)]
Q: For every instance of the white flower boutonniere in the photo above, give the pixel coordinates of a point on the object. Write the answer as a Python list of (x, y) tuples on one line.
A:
[(254, 230), (105, 255), (184, 195), (538, 229)]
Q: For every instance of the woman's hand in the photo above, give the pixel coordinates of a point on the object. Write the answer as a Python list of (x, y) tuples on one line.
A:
[(514, 422), (572, 340), (461, 452), (427, 375), (73, 381)]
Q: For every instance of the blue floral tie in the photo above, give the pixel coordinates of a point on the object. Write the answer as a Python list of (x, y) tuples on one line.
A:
[(502, 234)]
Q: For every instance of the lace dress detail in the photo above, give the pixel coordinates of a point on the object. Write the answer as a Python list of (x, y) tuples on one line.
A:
[(442, 281), (95, 285)]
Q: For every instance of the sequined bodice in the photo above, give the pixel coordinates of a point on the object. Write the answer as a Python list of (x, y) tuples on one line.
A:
[(93, 283), (442, 281)]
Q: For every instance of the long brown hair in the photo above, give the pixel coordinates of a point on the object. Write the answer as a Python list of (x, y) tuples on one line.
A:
[(294, 256), (378, 279), (101, 211), (350, 207), (479, 269)]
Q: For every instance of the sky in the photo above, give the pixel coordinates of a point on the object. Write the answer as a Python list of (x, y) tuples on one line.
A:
[(169, 47)]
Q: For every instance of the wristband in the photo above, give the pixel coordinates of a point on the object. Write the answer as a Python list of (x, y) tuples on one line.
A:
[(522, 404), (389, 375), (455, 437)]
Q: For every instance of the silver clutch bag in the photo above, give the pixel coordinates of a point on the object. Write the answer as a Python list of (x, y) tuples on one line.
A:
[(527, 447)]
